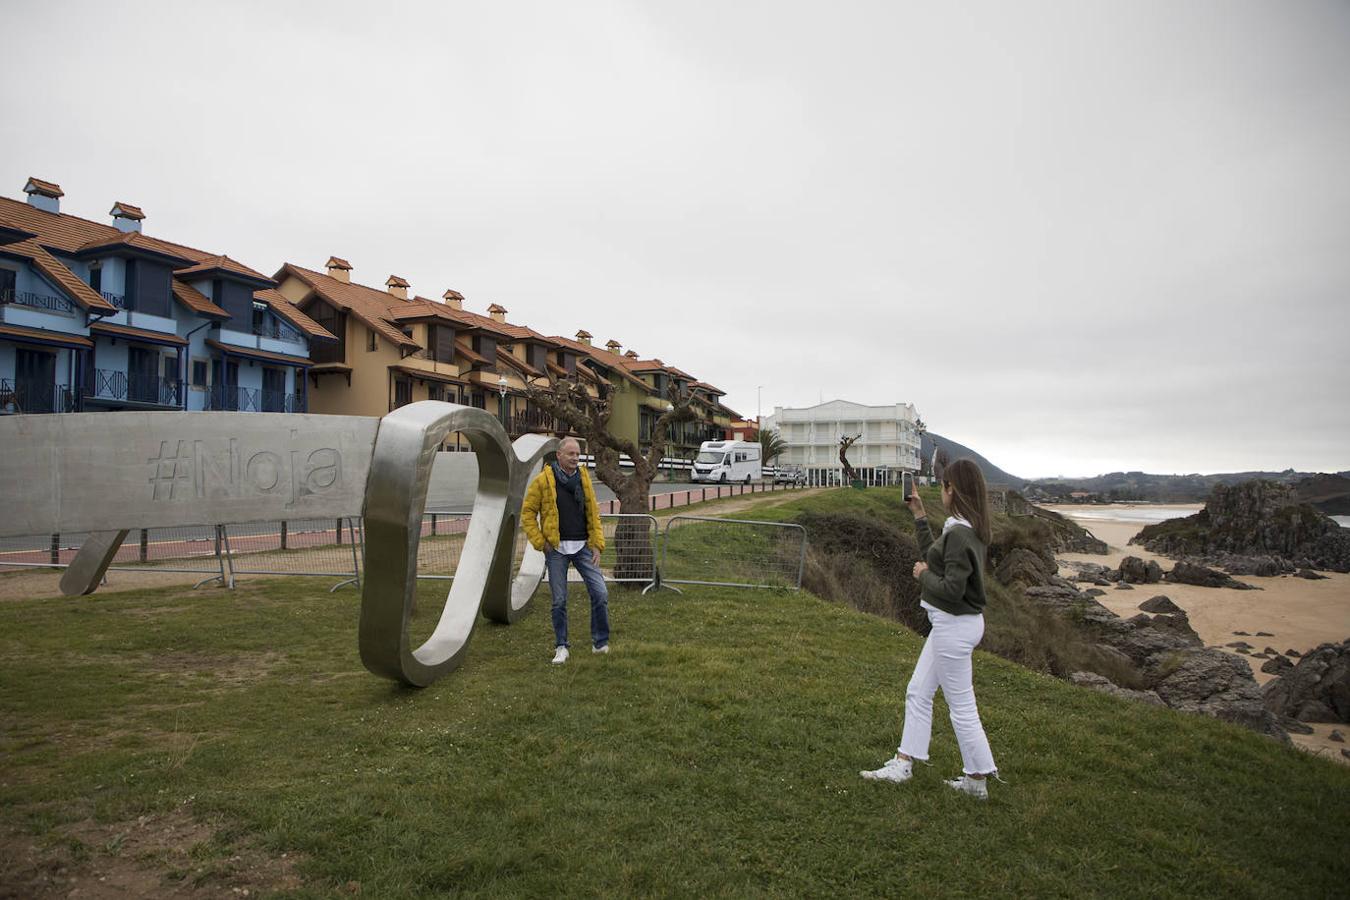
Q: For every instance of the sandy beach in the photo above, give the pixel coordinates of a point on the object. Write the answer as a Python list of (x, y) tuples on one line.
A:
[(1297, 614)]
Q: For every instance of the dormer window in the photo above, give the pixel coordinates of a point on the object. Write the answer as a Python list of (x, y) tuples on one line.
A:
[(96, 276), (259, 317)]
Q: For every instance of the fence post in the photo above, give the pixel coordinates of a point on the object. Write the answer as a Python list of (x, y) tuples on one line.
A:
[(145, 545), (433, 524), (56, 549), (338, 530)]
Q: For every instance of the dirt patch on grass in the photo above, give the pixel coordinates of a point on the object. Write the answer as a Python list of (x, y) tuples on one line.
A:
[(43, 583), (169, 855), (231, 669)]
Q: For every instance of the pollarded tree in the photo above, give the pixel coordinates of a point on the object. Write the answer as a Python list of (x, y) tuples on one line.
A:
[(588, 417)]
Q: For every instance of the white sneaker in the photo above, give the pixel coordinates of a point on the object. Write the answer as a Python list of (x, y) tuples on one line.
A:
[(975, 787), (560, 656), (896, 770), (604, 649)]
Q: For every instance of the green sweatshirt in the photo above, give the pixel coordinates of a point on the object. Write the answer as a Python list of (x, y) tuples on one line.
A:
[(954, 582)]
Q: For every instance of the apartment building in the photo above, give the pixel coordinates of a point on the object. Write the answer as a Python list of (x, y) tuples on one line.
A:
[(889, 442), (100, 316)]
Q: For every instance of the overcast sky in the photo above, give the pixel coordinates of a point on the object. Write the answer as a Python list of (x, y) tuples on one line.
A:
[(1078, 236)]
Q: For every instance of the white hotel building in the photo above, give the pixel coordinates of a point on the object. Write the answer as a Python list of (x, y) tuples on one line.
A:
[(889, 444)]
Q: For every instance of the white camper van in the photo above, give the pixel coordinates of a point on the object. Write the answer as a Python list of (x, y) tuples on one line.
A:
[(727, 462)]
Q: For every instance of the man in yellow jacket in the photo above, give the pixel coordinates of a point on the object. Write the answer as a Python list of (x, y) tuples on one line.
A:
[(561, 517)]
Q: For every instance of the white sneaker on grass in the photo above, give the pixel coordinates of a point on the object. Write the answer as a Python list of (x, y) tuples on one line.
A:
[(895, 770), (560, 656), (975, 787), (604, 649)]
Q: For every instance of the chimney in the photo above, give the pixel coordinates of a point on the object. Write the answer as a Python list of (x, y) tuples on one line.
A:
[(453, 299), (613, 346), (397, 286), (498, 313), (339, 269), (44, 195), (631, 354), (127, 217), (584, 337)]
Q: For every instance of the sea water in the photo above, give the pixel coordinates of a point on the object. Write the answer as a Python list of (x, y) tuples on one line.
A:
[(1146, 515)]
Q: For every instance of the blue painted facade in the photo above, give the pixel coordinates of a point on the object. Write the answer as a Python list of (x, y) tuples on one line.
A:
[(96, 318)]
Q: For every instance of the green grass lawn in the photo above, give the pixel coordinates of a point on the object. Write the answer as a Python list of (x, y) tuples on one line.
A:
[(715, 752)]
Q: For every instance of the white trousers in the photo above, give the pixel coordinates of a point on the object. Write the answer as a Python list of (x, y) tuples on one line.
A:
[(945, 663)]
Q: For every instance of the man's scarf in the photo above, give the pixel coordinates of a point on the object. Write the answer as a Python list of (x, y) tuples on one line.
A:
[(570, 484)]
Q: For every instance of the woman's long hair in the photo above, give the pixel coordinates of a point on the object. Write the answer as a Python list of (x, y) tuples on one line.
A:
[(970, 497)]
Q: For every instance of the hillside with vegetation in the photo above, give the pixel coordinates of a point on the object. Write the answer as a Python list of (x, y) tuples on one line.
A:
[(206, 743)]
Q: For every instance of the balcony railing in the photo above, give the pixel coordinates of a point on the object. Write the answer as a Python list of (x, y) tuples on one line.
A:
[(277, 331), (238, 399), (117, 300), (33, 300), (530, 421), (24, 397), (106, 385)]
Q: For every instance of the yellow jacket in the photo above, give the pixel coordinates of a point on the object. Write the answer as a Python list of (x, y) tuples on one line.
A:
[(541, 502)]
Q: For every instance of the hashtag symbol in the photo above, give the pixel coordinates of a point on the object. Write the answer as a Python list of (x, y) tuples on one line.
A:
[(171, 467)]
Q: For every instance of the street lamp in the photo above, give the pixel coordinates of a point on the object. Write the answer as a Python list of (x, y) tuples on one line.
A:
[(501, 402)]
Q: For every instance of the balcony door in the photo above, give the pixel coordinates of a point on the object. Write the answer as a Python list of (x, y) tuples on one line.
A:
[(142, 375), (35, 380), (273, 390)]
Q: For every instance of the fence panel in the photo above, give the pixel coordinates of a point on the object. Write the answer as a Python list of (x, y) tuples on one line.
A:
[(322, 548), (732, 553), (631, 548), (442, 543)]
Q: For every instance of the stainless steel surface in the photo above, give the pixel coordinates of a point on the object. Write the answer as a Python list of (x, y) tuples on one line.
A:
[(400, 471), (85, 572)]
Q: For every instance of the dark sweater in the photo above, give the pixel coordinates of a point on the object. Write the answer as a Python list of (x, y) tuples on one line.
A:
[(954, 582)]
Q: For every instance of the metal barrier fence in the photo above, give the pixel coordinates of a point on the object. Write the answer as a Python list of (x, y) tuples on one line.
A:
[(732, 553), (690, 550), (673, 499)]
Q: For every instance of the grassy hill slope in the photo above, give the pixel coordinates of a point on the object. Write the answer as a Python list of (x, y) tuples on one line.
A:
[(714, 752)]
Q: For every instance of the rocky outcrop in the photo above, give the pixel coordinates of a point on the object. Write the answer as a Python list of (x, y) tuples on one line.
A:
[(1315, 690), (1025, 567), (1218, 684), (1186, 572), (1166, 655), (1254, 519), (1159, 604), (1104, 685), (1134, 570)]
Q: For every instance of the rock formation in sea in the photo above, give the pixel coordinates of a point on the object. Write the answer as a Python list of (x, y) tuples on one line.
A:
[(1261, 521)]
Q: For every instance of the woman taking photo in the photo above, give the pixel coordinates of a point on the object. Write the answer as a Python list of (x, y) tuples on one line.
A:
[(951, 583)]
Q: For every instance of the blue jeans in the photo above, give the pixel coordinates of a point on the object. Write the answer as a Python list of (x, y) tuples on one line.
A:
[(556, 563)]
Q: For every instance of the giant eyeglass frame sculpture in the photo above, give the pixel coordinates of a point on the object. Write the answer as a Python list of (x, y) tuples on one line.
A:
[(107, 473)]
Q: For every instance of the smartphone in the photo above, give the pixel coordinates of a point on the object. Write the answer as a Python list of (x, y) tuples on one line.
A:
[(907, 484)]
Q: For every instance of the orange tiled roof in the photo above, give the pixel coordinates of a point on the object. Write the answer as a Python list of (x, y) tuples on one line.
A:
[(68, 234), (517, 364), (291, 313), (709, 388), (219, 262), (611, 361), (196, 301), (263, 355), (472, 356), (46, 188), (61, 276), (371, 306), (427, 375), (42, 334)]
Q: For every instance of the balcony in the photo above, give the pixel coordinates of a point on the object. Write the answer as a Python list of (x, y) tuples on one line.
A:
[(278, 331), (17, 397), (530, 421), (117, 300), (238, 399), (105, 386), (34, 300)]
